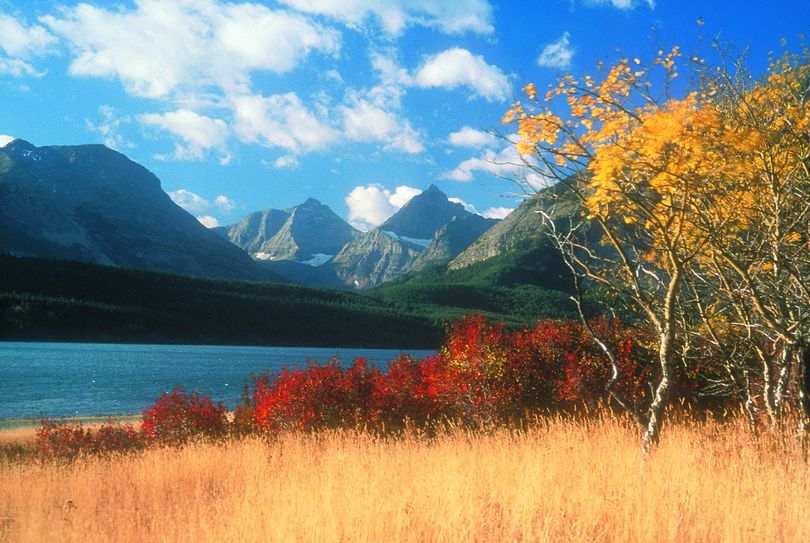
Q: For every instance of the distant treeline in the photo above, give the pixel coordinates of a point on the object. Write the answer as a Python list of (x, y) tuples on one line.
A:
[(52, 300)]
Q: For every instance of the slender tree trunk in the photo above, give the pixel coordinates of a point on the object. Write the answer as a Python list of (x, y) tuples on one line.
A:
[(803, 367), (666, 347), (750, 406), (767, 389), (782, 381), (656, 414)]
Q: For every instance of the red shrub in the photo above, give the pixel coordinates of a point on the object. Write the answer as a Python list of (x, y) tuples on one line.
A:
[(177, 417), (319, 396), (420, 391), (69, 441), (502, 373), (63, 441)]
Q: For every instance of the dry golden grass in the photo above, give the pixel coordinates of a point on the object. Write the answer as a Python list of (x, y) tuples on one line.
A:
[(560, 481)]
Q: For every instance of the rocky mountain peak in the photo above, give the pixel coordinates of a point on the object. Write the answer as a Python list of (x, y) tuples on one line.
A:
[(423, 215)]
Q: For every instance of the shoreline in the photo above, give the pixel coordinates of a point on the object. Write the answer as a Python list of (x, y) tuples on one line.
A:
[(33, 422)]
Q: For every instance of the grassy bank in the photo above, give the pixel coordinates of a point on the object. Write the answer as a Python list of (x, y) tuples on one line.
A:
[(560, 481)]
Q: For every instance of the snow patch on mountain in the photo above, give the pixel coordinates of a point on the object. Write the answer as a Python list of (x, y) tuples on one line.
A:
[(406, 239)]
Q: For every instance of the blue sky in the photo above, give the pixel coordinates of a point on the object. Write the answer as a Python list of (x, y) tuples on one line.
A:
[(240, 106)]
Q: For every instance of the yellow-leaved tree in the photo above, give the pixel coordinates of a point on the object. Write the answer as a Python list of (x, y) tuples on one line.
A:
[(666, 185)]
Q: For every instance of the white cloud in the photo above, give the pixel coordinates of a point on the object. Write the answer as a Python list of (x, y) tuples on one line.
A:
[(466, 205), (470, 137), (497, 212), (198, 132), (21, 41), (159, 48), (390, 72), (5, 140), (286, 162), (402, 195), (458, 67), (225, 204), (208, 221), (448, 16), (367, 120), (281, 120), (18, 68), (507, 163), (557, 54), (110, 127), (624, 5), (371, 205), (202, 207), (191, 202), (491, 213)]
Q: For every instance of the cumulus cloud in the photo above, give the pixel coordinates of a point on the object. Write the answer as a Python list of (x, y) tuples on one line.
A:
[(225, 204), (557, 54), (365, 121), (393, 16), (281, 120), (196, 204), (19, 44), (5, 140), (198, 132), (162, 48), (497, 212), (470, 137), (191, 202), (388, 69), (208, 221), (20, 41), (371, 205), (458, 67), (286, 162)]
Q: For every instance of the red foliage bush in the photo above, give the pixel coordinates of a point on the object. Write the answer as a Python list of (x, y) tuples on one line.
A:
[(177, 417), (419, 391), (319, 396), (70, 441), (484, 373)]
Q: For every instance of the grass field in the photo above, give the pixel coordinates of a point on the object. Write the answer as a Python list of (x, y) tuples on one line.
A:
[(559, 481)]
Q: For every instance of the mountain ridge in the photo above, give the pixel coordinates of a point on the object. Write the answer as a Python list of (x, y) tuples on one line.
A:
[(91, 203)]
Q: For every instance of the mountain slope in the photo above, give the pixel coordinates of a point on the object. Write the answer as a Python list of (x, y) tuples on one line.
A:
[(91, 203), (309, 232), (451, 239), (255, 229), (429, 224), (373, 258)]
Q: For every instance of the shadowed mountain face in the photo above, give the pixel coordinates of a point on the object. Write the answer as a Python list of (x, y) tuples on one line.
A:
[(451, 239), (522, 229), (424, 215), (91, 203)]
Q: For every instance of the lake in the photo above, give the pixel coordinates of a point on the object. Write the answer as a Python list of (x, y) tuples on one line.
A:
[(81, 379)]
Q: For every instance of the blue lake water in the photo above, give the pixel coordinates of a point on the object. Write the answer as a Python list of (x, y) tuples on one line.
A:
[(80, 379)]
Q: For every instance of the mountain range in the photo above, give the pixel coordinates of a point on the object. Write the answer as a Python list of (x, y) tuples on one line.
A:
[(93, 204), (427, 230)]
